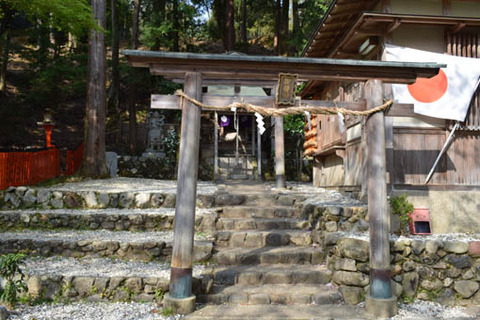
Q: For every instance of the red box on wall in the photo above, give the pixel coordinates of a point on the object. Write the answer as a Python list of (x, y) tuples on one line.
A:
[(420, 221)]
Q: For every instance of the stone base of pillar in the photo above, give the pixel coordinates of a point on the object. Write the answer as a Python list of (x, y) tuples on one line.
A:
[(179, 306), (280, 182), (381, 308)]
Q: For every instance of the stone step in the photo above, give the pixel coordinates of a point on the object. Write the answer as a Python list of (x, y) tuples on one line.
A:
[(121, 244), (261, 224), (100, 279), (259, 239), (271, 274), (270, 255), (287, 312), (273, 294), (258, 212), (94, 219)]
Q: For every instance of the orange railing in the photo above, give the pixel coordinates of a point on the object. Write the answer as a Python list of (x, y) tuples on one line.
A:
[(74, 159), (26, 168)]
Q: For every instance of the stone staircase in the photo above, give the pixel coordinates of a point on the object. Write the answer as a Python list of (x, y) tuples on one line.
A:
[(252, 246)]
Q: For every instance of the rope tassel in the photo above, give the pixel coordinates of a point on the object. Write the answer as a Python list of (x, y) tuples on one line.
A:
[(286, 111)]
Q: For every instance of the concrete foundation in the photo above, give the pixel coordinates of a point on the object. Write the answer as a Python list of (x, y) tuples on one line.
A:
[(180, 306), (381, 308)]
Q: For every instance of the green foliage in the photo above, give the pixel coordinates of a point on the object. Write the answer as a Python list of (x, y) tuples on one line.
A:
[(168, 311), (401, 207), (12, 274)]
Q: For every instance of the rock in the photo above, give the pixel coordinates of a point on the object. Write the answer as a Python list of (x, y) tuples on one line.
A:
[(240, 298), (354, 248), (286, 200), (418, 246), (57, 200), (474, 249), (72, 200), (352, 295), (432, 246), (13, 198), (465, 288), (350, 278), (360, 226), (142, 200), (34, 286), (345, 264), (331, 226), (259, 298), (397, 288), (90, 199), (455, 247), (459, 262), (29, 198), (157, 200), (103, 200), (409, 266), (453, 272), (4, 314), (300, 239), (447, 282), (431, 285), (126, 199), (43, 196), (410, 283), (170, 200), (112, 163), (333, 238), (425, 272), (468, 275), (83, 285), (20, 191), (134, 284)]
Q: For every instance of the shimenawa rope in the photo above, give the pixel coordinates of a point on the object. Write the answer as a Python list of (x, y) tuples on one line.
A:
[(286, 111)]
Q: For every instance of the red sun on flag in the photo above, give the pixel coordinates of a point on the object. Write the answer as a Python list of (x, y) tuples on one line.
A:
[(429, 90)]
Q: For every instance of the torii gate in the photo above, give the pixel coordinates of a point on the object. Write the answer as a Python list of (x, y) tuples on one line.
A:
[(193, 69)]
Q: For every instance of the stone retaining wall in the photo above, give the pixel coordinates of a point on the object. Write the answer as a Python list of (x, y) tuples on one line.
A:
[(102, 248), (325, 219), (95, 289), (447, 272), (12, 220)]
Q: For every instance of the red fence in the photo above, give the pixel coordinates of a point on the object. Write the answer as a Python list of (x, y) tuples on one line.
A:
[(74, 159), (26, 168)]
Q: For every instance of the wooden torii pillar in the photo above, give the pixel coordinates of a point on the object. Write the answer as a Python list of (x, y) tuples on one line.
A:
[(379, 302), (180, 297)]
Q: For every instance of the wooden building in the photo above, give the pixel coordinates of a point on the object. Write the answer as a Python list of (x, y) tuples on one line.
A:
[(359, 30)]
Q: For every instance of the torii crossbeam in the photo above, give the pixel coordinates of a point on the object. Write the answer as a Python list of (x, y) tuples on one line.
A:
[(191, 69)]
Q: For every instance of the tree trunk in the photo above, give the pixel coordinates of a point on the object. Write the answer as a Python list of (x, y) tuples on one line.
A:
[(113, 95), (135, 19), (284, 25), (93, 164), (230, 25), (244, 21), (3, 70), (132, 90), (176, 27), (278, 23)]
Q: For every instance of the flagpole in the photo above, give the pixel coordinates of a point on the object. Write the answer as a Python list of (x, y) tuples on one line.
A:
[(441, 152)]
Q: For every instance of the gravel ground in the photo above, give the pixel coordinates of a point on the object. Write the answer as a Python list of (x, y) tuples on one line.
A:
[(100, 267), (75, 235), (92, 311), (150, 311), (115, 185)]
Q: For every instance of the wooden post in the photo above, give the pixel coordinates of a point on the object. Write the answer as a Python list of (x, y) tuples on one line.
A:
[(379, 300), (259, 155), (215, 174), (280, 180), (180, 296)]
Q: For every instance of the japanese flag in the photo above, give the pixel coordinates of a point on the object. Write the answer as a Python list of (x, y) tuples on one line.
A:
[(446, 95)]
